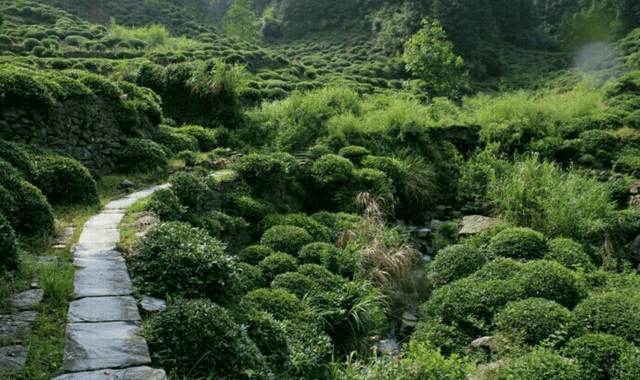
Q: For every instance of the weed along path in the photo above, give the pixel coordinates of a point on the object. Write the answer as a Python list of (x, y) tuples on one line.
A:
[(104, 337)]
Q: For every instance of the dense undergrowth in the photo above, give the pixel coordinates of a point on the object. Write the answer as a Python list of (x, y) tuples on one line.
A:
[(300, 261)]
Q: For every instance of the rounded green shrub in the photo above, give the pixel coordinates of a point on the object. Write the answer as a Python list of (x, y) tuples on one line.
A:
[(175, 142), (551, 280), (166, 205), (249, 276), (318, 151), (372, 181), (317, 231), (188, 332), (598, 355), (64, 181), (192, 190), (519, 243), (190, 158), (140, 156), (321, 276), (354, 153), (179, 260), (288, 239), (329, 256), (332, 170), (539, 364), (337, 222), (293, 282), (500, 268), (569, 253), (532, 320), (276, 264), (279, 302), (8, 246), (251, 209), (18, 159), (455, 262), (629, 366), (610, 313), (207, 140), (260, 170), (254, 254)]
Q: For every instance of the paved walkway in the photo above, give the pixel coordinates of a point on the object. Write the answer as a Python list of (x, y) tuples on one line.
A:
[(104, 338)]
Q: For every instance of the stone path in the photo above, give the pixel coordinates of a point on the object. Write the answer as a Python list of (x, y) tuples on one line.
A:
[(104, 338)]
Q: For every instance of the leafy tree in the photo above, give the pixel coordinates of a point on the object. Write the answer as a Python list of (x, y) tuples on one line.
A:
[(241, 22), (394, 25), (430, 58)]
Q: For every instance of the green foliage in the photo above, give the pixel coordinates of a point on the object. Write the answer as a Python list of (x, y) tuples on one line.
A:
[(239, 21), (293, 282), (192, 190), (276, 264), (546, 198), (354, 153), (519, 243), (610, 313), (337, 222), (260, 170), (207, 138), (455, 262), (64, 181), (539, 364), (190, 158), (431, 59), (532, 320), (173, 141), (424, 362), (179, 260), (551, 280), (288, 239), (221, 80), (598, 355), (337, 261), (569, 253), (280, 303), (8, 246), (317, 231), (153, 35), (166, 205), (321, 276), (11, 153), (189, 331), (254, 254), (499, 269), (141, 156), (249, 276), (330, 171)]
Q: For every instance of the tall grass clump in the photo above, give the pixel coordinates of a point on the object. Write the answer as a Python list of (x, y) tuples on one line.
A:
[(222, 78), (540, 195), (154, 35)]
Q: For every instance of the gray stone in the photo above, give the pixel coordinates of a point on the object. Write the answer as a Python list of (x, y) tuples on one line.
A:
[(91, 237), (135, 373), (103, 274), (486, 341), (93, 346), (26, 300), (473, 224), (12, 358), (64, 237), (151, 304), (103, 309), (15, 329), (104, 221)]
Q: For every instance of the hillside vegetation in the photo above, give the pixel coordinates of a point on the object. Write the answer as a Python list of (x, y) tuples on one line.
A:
[(358, 135)]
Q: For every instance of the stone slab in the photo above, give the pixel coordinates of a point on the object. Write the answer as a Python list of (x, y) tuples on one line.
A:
[(103, 274), (12, 358), (151, 304), (103, 309), (99, 237), (131, 199), (16, 328), (104, 221), (135, 373), (26, 300), (473, 224), (92, 346)]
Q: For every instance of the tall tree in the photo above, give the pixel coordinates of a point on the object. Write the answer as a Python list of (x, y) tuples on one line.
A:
[(241, 22)]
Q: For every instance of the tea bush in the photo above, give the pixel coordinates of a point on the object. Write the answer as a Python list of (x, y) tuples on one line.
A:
[(141, 156), (500, 268), (166, 205), (337, 222), (260, 170), (207, 139), (8, 246), (610, 313), (539, 364), (11, 153), (317, 231), (519, 243), (64, 181), (455, 262), (331, 257), (321, 276), (569, 253), (254, 254), (175, 142), (372, 181), (288, 239), (184, 336), (354, 153), (179, 260), (276, 264), (190, 158), (249, 277), (294, 283), (551, 280), (532, 320), (598, 355), (280, 303), (192, 190), (330, 171)]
